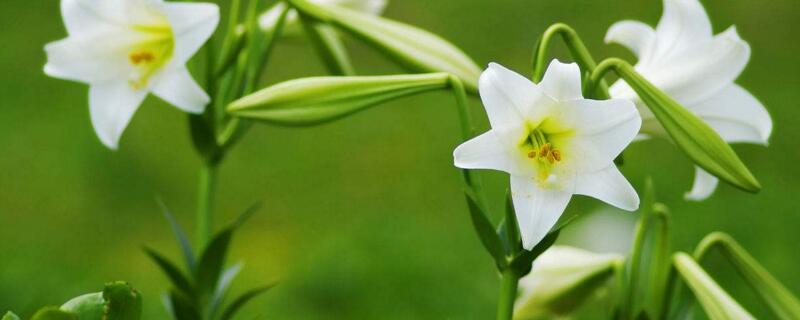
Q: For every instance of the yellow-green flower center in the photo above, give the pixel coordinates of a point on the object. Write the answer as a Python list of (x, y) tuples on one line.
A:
[(151, 54)]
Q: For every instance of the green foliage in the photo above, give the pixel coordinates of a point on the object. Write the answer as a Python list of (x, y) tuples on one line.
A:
[(53, 313), (10, 316), (649, 263), (196, 295), (486, 232), (781, 301), (414, 48), (717, 304), (311, 101)]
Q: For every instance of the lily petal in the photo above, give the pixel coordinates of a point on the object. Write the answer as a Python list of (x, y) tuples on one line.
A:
[(88, 59), (710, 67), (493, 151), (610, 186), (506, 95), (636, 36), (179, 89), (683, 24), (192, 25), (736, 115), (112, 105), (704, 185), (537, 209), (87, 16), (598, 131), (562, 81)]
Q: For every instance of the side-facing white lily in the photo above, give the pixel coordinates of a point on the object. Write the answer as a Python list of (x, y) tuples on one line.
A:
[(125, 49), (686, 60), (553, 143), (269, 18)]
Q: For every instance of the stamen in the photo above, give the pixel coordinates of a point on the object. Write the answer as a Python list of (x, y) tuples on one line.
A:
[(556, 155), (545, 150), (141, 57), (532, 154)]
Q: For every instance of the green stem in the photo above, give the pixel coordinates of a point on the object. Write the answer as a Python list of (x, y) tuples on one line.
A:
[(471, 177), (508, 294), (205, 202), (575, 46)]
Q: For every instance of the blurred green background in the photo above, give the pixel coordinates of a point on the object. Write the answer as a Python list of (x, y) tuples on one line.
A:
[(363, 218)]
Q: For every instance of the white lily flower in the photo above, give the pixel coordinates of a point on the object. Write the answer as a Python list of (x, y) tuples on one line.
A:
[(125, 49), (269, 18), (561, 279), (686, 60), (553, 143)]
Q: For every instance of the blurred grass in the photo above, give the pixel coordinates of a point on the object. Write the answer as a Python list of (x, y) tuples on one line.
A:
[(363, 218)]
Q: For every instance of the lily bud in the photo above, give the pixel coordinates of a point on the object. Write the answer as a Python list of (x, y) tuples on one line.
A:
[(414, 48), (310, 101), (690, 133), (561, 279)]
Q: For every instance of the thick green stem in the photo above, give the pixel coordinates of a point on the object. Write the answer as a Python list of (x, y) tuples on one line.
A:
[(206, 185), (508, 294)]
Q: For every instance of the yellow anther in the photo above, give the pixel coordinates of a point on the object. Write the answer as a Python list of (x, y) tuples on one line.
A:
[(532, 154), (141, 57), (556, 155)]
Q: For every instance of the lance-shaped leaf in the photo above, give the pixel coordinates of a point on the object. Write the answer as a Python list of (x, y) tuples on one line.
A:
[(699, 141), (648, 265), (486, 232), (310, 101), (562, 279), (414, 48), (717, 304), (780, 300)]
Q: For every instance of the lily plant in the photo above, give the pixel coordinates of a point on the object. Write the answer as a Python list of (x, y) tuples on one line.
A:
[(558, 133), (651, 282)]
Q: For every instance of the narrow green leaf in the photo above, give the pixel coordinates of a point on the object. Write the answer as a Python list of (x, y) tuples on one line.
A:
[(485, 230), (522, 263), (310, 101), (225, 281), (88, 306), (53, 313), (180, 235), (237, 304), (122, 302), (648, 265), (329, 46), (511, 227), (699, 141), (414, 48), (10, 316), (172, 272), (211, 262), (183, 308), (780, 300), (717, 304), (562, 280)]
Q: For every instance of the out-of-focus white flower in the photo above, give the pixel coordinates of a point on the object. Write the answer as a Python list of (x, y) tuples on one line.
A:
[(561, 279), (553, 143), (269, 18), (686, 60), (125, 49)]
